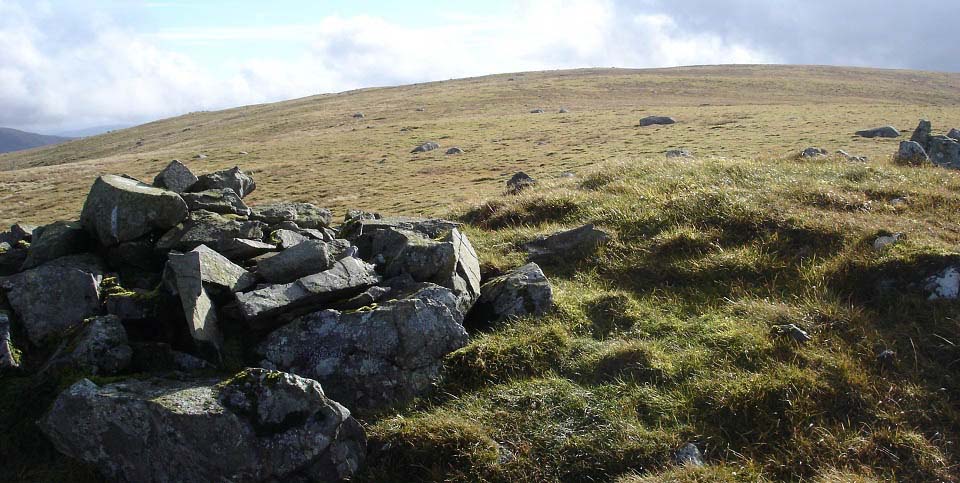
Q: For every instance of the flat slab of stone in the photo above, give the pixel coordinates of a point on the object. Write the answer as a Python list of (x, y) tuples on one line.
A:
[(345, 279), (243, 249), (306, 258), (656, 120), (305, 215), (120, 209), (879, 132)]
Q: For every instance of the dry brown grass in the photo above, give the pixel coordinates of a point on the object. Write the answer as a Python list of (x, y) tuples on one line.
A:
[(311, 149)]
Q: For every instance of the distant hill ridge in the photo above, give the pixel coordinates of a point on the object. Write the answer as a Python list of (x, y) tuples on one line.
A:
[(16, 140)]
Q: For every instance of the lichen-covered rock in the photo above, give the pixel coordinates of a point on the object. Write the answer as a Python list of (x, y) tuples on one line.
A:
[(99, 347), (450, 262), (427, 146), (241, 183), (211, 229), (524, 291), (911, 152), (361, 229), (223, 201), (305, 215), (372, 359), (52, 298), (9, 355), (345, 279), (257, 426), (56, 240), (306, 258), (176, 177), (944, 284), (569, 244), (119, 209), (944, 151), (879, 132), (211, 268)]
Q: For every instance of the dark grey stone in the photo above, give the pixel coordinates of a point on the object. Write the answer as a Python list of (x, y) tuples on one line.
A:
[(241, 183), (176, 177), (224, 201), (656, 120)]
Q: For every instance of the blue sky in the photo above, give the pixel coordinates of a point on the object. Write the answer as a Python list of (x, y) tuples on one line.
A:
[(70, 64)]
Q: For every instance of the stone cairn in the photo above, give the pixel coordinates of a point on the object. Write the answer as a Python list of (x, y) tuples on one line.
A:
[(172, 282)]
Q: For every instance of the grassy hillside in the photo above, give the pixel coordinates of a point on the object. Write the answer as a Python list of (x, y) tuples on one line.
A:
[(311, 149), (664, 336), (16, 140)]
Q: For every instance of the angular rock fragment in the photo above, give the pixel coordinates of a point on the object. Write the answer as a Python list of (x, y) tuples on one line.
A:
[(51, 299), (347, 278), (18, 232), (119, 209), (210, 268), (98, 348), (360, 230), (243, 249), (792, 331), (455, 150), (569, 244), (256, 426), (56, 240), (305, 215), (160, 357), (656, 120), (450, 262), (306, 258), (524, 291), (911, 152), (241, 183), (922, 133), (287, 239), (211, 229), (372, 359), (223, 201), (944, 151), (176, 177)]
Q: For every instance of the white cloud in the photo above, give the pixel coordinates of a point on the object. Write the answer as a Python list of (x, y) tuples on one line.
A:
[(98, 72)]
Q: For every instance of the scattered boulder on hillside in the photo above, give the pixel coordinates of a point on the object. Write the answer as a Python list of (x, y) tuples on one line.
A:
[(911, 152), (689, 455), (678, 153), (884, 241), (536, 111), (56, 240), (9, 355), (223, 201), (50, 299), (813, 153), (259, 425), (120, 209), (427, 146), (241, 183), (376, 358), (99, 347), (656, 120), (454, 150), (519, 182), (954, 134), (563, 110), (200, 156), (305, 215), (176, 177), (879, 132), (945, 284), (567, 245), (521, 292), (944, 151), (358, 115)]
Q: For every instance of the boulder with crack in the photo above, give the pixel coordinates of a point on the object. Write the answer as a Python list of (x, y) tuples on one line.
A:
[(259, 425), (345, 279), (120, 209), (372, 359)]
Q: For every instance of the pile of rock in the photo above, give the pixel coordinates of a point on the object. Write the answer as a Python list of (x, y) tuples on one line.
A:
[(923, 146), (175, 277)]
